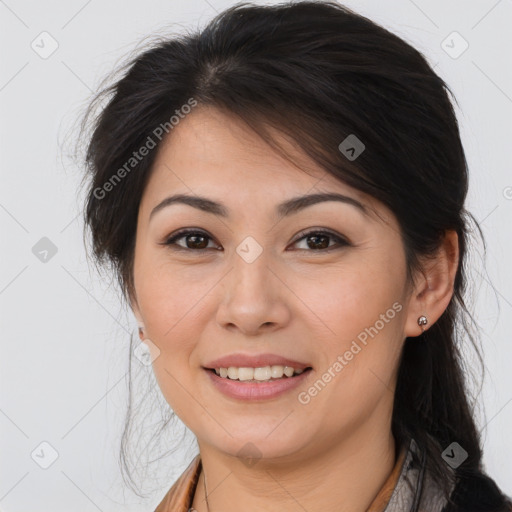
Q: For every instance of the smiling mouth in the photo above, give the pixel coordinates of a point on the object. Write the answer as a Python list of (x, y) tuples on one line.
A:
[(258, 375)]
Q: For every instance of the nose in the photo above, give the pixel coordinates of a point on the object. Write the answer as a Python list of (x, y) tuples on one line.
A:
[(253, 298)]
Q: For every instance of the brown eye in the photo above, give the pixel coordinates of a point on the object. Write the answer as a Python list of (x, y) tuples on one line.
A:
[(194, 240), (319, 241)]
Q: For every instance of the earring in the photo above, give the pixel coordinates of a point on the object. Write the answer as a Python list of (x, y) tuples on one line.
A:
[(422, 320)]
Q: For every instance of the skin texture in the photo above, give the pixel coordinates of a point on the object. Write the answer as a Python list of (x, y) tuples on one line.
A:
[(335, 452)]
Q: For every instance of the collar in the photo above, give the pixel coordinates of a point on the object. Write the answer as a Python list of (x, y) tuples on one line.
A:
[(407, 488)]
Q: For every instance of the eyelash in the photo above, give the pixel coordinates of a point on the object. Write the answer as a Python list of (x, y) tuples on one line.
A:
[(341, 242)]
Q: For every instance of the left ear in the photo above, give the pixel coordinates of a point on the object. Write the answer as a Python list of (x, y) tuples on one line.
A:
[(433, 286), (136, 311)]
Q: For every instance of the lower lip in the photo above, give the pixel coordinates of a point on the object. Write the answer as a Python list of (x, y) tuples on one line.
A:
[(256, 390)]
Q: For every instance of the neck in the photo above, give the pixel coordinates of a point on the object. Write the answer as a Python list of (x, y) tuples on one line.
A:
[(345, 476)]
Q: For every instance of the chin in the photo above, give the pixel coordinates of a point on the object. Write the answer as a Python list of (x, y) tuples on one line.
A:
[(260, 445)]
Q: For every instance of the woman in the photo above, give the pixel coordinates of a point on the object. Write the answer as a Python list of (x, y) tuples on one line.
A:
[(282, 197)]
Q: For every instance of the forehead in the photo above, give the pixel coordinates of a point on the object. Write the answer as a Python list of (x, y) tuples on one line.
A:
[(217, 155)]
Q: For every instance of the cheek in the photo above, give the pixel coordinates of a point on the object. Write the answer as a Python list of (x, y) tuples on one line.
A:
[(360, 354), (349, 299), (172, 310), (358, 311), (165, 291), (171, 305)]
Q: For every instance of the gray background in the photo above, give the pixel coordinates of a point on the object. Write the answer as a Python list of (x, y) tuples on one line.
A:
[(64, 334)]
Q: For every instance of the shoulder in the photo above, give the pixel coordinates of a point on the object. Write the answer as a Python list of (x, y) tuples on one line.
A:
[(181, 494), (477, 492), (466, 490)]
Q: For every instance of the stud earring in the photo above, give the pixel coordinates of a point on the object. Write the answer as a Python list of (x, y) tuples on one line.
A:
[(422, 321)]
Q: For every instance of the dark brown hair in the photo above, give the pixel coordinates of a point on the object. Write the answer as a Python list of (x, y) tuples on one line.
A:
[(317, 72)]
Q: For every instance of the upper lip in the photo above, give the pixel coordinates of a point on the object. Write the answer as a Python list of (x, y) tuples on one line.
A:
[(254, 361)]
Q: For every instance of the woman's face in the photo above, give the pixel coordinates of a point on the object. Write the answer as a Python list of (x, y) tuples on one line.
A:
[(251, 283)]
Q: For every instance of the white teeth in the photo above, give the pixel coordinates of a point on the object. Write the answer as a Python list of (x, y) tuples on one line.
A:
[(264, 373), (288, 371), (245, 373), (233, 372), (277, 371)]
